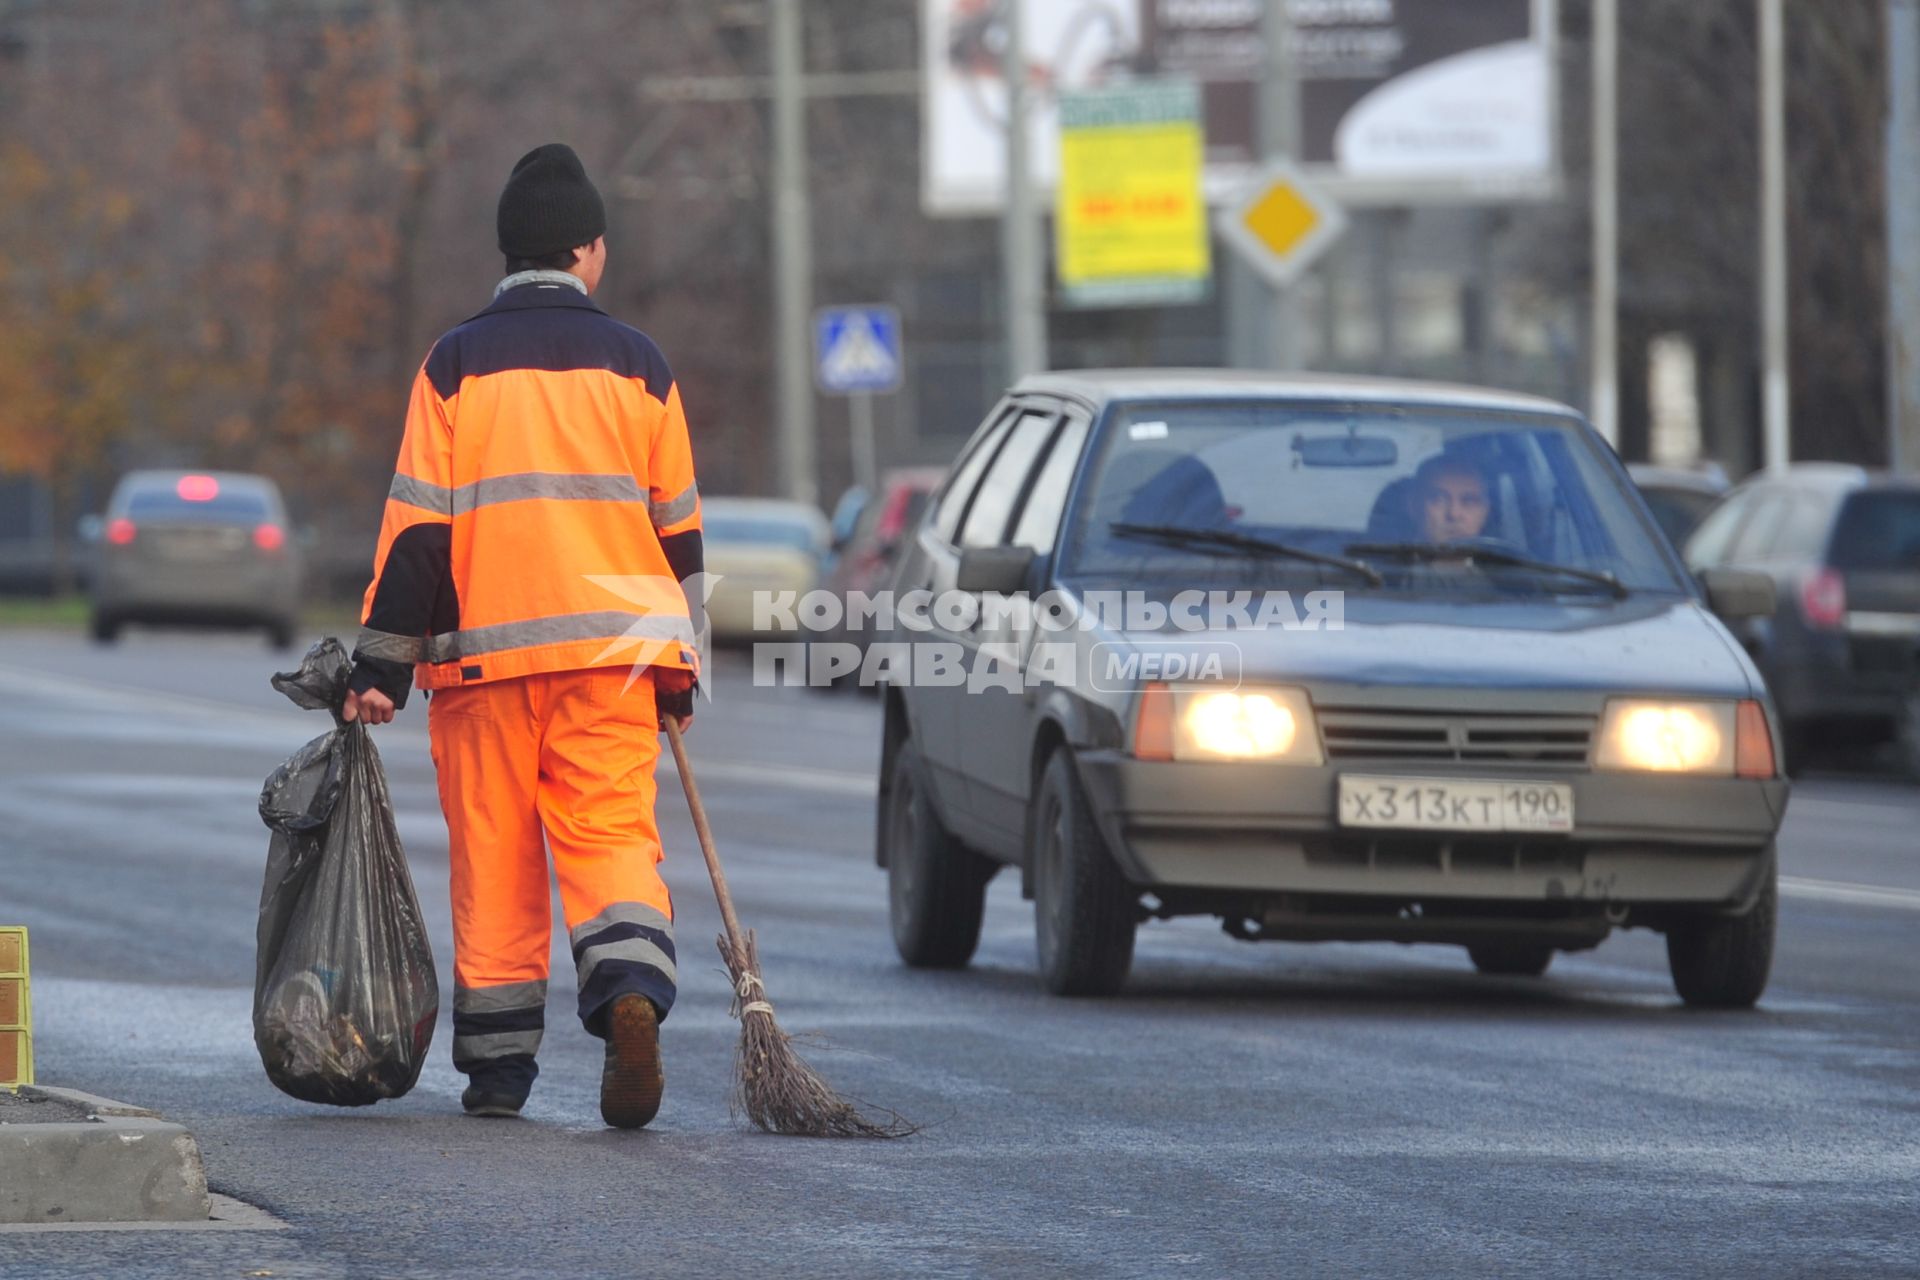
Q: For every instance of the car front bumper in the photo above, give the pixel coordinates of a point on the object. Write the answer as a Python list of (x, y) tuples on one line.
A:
[(1274, 829)]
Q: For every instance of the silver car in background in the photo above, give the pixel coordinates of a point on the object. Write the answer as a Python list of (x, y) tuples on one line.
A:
[(201, 548)]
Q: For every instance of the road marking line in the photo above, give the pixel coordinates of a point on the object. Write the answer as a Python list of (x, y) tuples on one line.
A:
[(1820, 805), (831, 781), (1870, 895)]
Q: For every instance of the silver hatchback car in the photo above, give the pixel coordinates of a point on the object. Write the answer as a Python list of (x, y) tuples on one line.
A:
[(205, 548), (1326, 659)]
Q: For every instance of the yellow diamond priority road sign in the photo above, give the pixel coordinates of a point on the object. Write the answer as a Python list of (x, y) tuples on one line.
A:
[(1280, 223)]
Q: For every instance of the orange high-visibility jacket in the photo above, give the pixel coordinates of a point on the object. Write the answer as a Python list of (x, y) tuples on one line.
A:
[(543, 512)]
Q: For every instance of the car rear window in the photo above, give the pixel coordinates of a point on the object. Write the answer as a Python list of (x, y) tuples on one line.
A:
[(1877, 531), (228, 504), (757, 530)]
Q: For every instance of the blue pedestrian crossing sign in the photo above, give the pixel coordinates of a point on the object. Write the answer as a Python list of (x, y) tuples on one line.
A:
[(856, 349)]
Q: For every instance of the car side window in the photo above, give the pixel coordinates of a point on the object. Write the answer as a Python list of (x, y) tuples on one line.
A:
[(1802, 527), (1757, 530), (1708, 545), (953, 504), (1039, 522), (1000, 489)]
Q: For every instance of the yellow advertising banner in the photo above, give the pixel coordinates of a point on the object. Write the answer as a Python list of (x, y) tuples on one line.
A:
[(1130, 220)]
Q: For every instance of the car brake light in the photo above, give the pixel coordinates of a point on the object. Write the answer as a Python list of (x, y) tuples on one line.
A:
[(120, 532), (269, 537), (1752, 742), (197, 488), (1823, 599), (1153, 727)]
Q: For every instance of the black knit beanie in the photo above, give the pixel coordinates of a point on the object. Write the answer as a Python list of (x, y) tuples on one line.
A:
[(548, 204)]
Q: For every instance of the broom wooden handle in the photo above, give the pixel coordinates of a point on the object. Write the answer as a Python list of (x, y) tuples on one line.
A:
[(735, 934)]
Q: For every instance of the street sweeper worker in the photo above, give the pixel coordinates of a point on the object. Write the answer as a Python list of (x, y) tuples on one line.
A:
[(542, 519)]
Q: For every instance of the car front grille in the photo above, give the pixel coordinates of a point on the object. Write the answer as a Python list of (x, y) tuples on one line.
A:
[(1447, 737)]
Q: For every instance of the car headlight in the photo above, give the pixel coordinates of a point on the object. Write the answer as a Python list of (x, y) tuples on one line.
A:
[(1667, 737), (1210, 723)]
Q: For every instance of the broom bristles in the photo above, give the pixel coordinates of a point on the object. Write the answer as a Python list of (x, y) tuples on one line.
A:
[(773, 1084)]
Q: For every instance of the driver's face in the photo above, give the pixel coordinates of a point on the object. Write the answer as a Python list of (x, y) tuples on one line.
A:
[(1454, 506)]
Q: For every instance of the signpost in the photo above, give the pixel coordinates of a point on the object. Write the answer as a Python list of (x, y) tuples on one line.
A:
[(856, 353), (1281, 223), (1130, 222)]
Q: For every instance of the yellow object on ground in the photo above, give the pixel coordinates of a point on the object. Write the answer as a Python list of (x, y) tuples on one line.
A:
[(16, 1009)]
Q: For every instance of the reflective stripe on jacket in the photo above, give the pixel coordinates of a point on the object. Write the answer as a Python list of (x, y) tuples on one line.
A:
[(543, 511)]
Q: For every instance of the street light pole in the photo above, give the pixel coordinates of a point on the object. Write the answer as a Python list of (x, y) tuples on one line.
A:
[(1280, 140), (1773, 232), (1903, 234), (1604, 388), (792, 260), (1020, 265)]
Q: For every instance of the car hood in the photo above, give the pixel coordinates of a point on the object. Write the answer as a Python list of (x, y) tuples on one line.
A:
[(1653, 645)]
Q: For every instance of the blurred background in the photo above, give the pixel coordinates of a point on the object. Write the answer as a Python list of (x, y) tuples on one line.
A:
[(230, 229)]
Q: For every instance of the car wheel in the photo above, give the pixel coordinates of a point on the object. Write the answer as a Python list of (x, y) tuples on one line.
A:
[(280, 634), (1721, 962), (1511, 959), (105, 628), (1083, 907), (936, 887)]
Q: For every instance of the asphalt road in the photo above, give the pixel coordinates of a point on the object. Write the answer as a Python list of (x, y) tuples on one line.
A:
[(1239, 1110)]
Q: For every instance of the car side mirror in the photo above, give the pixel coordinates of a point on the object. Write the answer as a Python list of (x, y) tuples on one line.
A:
[(90, 528), (1001, 570), (1735, 594)]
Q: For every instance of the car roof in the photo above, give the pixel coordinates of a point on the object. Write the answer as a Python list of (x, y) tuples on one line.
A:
[(1646, 475), (781, 509), (1102, 386)]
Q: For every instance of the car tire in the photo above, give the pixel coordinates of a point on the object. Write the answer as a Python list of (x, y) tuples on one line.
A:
[(936, 886), (1084, 921), (1511, 959), (1722, 962), (104, 628), (280, 634)]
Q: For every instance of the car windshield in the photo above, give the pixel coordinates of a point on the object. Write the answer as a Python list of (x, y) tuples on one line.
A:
[(1413, 492), (1877, 530)]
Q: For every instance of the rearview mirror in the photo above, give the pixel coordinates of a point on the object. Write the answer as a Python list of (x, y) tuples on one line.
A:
[(1352, 450), (1734, 594), (1001, 570)]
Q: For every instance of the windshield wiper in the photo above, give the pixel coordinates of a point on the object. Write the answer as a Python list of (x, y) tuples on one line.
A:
[(1227, 540), (1431, 552)]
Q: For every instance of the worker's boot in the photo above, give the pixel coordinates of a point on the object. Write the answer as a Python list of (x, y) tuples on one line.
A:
[(488, 1104), (631, 1082)]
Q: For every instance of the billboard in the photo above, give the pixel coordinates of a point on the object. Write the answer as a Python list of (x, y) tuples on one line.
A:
[(1130, 223), (1402, 101)]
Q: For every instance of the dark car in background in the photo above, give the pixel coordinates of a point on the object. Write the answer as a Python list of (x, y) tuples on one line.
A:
[(1526, 730), (200, 548), (864, 558), (1679, 497), (1841, 649)]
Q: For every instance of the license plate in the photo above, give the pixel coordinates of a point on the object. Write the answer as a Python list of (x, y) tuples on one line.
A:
[(1455, 804)]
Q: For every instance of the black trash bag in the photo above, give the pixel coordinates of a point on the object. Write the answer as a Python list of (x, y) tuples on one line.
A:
[(344, 993)]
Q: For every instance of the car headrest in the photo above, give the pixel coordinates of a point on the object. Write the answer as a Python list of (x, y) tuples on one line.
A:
[(1180, 490), (1391, 519)]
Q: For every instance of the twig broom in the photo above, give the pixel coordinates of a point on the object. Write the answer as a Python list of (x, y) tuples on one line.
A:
[(778, 1090)]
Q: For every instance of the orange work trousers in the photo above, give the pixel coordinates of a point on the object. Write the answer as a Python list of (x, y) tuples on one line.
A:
[(568, 756)]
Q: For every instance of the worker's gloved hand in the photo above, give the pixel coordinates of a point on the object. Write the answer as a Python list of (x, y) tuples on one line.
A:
[(673, 694)]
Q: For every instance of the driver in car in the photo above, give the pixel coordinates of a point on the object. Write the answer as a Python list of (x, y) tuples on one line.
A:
[(1450, 500)]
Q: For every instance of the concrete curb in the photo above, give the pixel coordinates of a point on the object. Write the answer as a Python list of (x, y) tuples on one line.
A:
[(121, 1164)]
